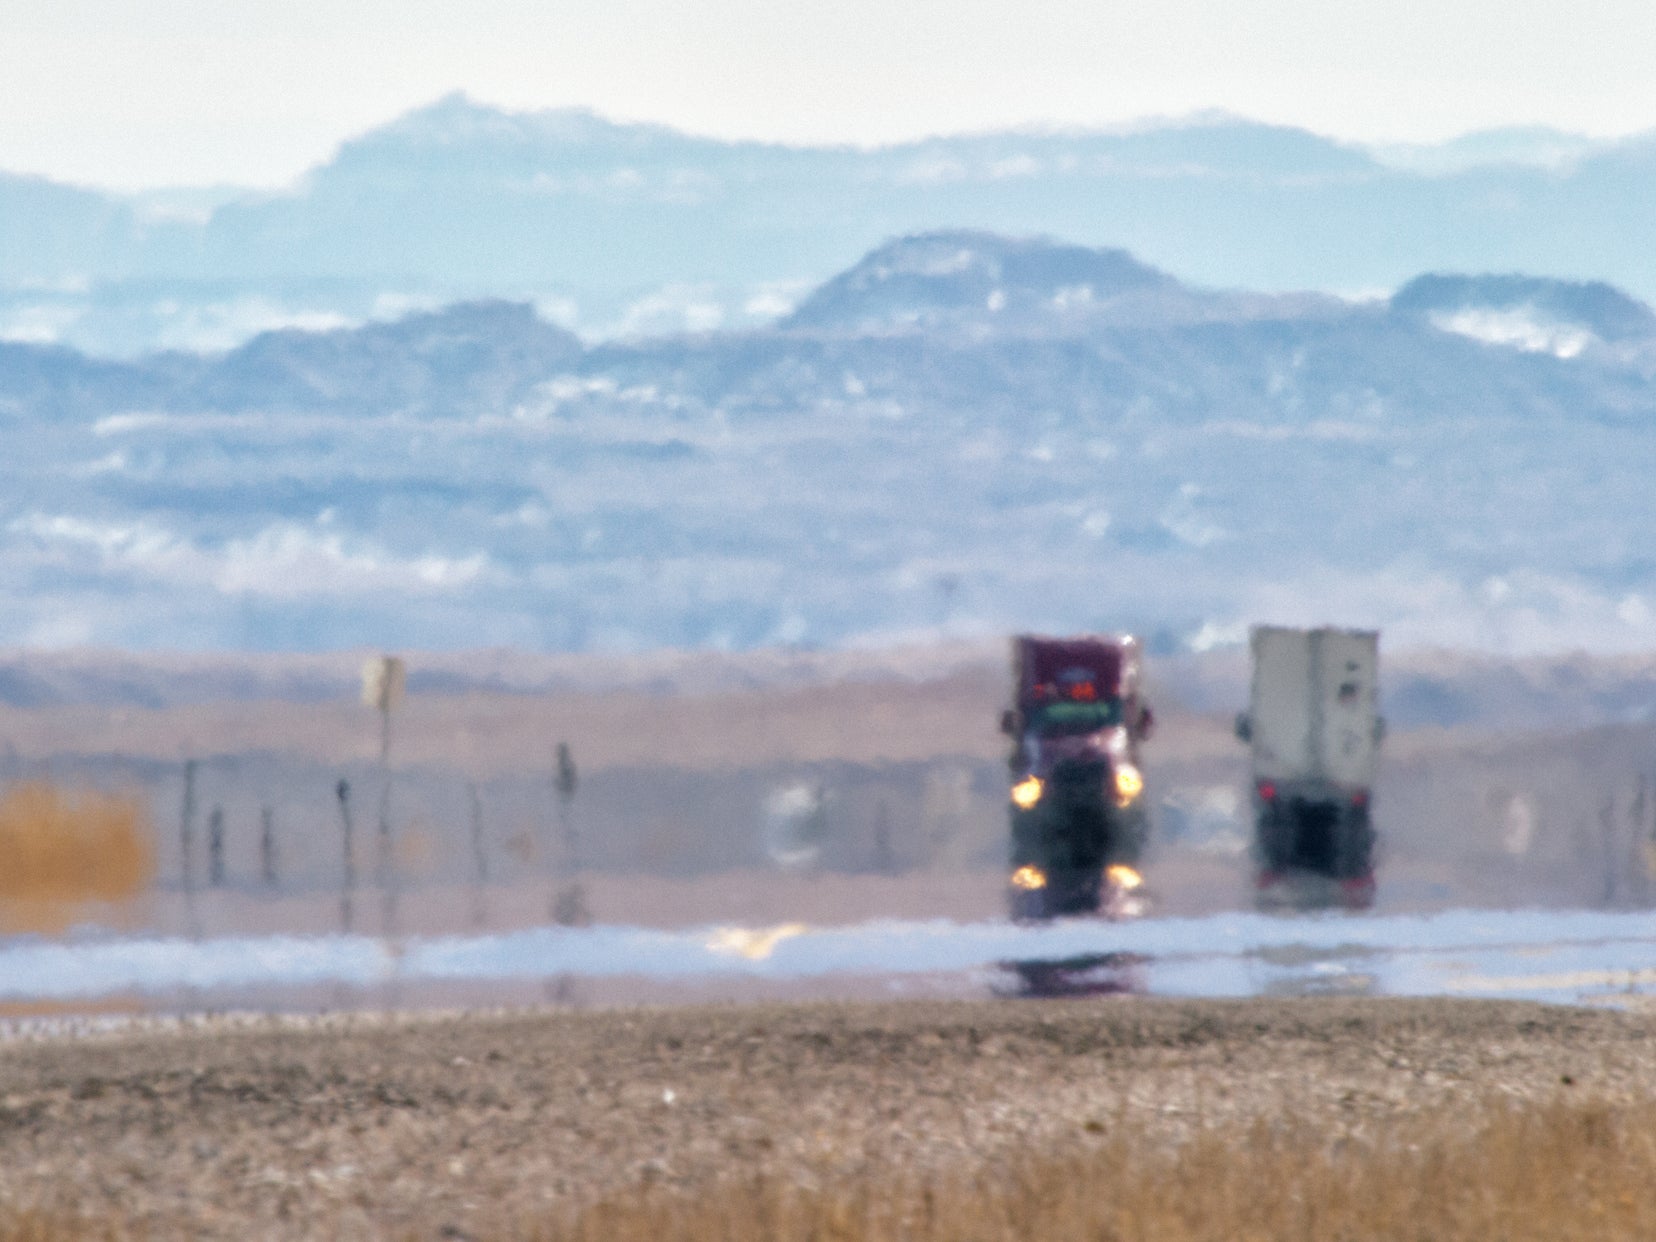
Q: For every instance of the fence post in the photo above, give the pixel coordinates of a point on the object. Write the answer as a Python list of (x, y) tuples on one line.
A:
[(267, 846), (564, 783), (480, 859), (348, 876), (569, 906), (884, 861), (215, 847), (186, 846)]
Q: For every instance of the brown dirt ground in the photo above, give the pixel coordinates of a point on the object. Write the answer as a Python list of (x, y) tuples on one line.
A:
[(485, 1124)]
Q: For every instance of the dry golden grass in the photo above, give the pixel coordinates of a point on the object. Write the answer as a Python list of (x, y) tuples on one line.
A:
[(61, 849), (35, 1226), (1556, 1173)]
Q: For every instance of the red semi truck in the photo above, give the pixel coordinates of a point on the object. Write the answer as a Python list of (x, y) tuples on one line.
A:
[(1078, 815)]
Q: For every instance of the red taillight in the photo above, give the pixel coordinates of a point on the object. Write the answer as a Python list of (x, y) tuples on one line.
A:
[(1267, 791), (1360, 798)]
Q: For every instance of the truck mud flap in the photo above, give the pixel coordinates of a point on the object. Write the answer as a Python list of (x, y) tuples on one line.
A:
[(1290, 891)]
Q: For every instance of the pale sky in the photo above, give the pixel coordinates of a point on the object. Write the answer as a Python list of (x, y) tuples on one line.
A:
[(144, 93)]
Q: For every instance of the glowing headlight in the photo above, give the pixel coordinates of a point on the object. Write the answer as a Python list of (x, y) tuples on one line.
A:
[(1123, 877), (1029, 878), (1027, 792), (1128, 782)]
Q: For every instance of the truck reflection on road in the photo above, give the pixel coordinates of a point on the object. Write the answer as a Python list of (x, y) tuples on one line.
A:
[(1319, 983), (1089, 974)]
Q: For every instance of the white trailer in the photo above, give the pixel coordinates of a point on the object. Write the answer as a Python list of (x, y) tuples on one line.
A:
[(1314, 714), (1313, 726)]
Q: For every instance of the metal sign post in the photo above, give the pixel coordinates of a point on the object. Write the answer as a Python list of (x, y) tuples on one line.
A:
[(383, 681)]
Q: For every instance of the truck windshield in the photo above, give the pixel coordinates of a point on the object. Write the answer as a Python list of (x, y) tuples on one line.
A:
[(1057, 719)]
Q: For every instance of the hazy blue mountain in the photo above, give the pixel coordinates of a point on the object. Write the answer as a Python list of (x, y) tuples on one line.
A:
[(48, 383), (57, 236), (933, 279), (633, 230), (1520, 146), (476, 355), (948, 436)]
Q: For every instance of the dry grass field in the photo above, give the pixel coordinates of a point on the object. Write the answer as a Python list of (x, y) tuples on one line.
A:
[(1174, 1121), (1558, 1173)]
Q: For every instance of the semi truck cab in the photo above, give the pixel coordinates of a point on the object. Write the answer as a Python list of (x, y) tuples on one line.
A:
[(1076, 797)]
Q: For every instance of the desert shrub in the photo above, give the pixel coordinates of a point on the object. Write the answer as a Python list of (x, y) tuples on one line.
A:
[(60, 849)]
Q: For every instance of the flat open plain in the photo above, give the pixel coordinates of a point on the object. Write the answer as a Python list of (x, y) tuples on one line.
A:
[(498, 1124)]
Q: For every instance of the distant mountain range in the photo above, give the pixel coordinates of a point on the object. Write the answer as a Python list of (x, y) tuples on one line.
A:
[(960, 434), (621, 230)]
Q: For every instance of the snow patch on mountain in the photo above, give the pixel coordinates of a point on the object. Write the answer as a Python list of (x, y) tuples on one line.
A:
[(1532, 314), (1521, 327), (284, 560)]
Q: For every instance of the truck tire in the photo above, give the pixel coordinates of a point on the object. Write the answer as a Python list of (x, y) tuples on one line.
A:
[(1025, 905), (1074, 892), (1126, 832), (1274, 839), (1356, 845)]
